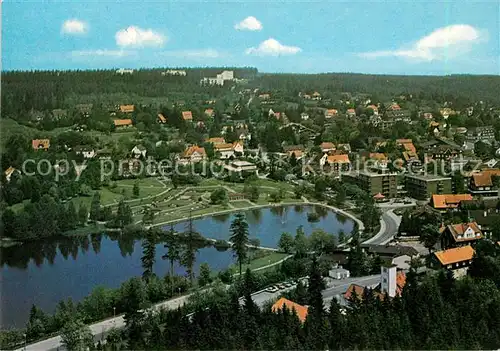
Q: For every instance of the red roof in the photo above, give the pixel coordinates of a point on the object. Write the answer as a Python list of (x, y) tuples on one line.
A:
[(290, 305)]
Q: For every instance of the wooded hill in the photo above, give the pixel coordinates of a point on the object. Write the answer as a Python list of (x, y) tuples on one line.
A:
[(47, 90), (438, 88)]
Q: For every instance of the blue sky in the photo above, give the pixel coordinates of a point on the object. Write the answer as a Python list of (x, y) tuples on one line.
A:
[(304, 37)]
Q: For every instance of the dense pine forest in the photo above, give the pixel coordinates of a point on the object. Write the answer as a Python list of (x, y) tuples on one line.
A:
[(46, 90)]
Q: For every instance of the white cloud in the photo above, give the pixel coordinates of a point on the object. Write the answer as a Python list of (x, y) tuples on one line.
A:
[(272, 47), (249, 23), (443, 43), (74, 26), (137, 37), (193, 54), (102, 53)]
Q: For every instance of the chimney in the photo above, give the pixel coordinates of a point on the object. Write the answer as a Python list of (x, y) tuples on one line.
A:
[(388, 280)]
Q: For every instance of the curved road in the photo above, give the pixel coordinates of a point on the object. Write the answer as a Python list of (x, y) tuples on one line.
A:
[(389, 225)]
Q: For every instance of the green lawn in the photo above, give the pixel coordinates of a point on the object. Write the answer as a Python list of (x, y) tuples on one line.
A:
[(240, 204), (270, 258), (143, 182)]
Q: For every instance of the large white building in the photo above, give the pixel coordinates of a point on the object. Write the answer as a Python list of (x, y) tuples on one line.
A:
[(124, 71), (220, 79), (173, 72)]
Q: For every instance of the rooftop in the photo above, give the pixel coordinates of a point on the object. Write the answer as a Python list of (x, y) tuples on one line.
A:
[(290, 305), (459, 254)]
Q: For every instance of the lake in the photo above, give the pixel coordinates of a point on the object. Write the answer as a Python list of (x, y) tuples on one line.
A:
[(45, 272)]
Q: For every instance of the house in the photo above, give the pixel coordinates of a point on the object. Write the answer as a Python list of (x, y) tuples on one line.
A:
[(84, 109), (291, 306), (187, 116), (336, 162), (351, 112), (379, 160), (441, 149), (9, 172), (339, 273), (296, 150), (394, 107), (59, 114), (316, 96), (127, 108), (398, 115), (174, 72), (86, 151), (427, 115), (122, 123), (485, 183), (344, 147), (443, 202), (446, 112), (138, 151), (123, 71), (306, 96), (406, 144), (389, 251), (216, 140), (241, 167), (331, 113), (482, 133), (227, 150), (327, 147), (485, 219), (193, 154), (209, 112), (374, 108), (457, 259), (304, 116), (264, 96), (40, 144), (161, 118), (454, 235)]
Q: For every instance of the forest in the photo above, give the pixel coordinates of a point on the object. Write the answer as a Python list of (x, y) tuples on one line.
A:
[(47, 90)]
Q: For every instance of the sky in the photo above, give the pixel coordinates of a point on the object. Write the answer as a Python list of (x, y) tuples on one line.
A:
[(377, 37)]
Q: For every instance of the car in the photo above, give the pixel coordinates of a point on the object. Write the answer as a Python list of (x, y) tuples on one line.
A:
[(271, 289), (287, 285), (281, 286)]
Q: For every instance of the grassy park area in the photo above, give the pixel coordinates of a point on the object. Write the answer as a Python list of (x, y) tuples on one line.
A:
[(265, 258)]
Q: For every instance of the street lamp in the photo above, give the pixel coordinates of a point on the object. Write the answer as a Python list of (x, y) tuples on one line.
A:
[(24, 335), (114, 311)]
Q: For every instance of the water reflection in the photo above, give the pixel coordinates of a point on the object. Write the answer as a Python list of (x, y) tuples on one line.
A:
[(45, 251)]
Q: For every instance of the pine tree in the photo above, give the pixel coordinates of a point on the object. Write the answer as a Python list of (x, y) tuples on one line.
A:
[(174, 251), (123, 214), (136, 189), (239, 238), (316, 323), (95, 207), (148, 254), (188, 255), (83, 214), (300, 242), (204, 278), (71, 216)]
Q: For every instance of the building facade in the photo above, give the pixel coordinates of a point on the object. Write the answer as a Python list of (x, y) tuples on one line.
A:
[(422, 187)]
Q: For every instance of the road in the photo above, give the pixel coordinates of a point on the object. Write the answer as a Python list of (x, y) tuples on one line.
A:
[(389, 225), (101, 329), (340, 286)]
